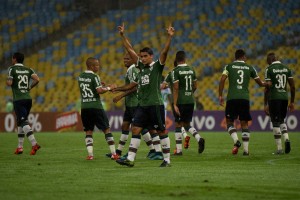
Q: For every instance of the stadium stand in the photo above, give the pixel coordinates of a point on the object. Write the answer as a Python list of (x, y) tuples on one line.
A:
[(210, 31)]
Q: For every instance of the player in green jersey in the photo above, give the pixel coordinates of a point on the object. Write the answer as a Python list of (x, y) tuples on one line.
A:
[(92, 112), (131, 102), (184, 86), (237, 105), (19, 77), (150, 112), (179, 130), (277, 76)]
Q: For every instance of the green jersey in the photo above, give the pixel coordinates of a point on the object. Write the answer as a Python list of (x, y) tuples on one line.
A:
[(131, 76), (185, 76), (278, 74), (239, 74), (149, 84), (88, 83), (20, 76)]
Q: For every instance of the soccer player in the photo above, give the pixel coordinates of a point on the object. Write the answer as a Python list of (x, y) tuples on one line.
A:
[(179, 130), (92, 112), (277, 76), (184, 86), (19, 77), (131, 103), (237, 105), (150, 112)]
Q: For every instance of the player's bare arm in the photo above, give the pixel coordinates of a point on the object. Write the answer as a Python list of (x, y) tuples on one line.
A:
[(175, 96), (292, 91), (125, 87), (9, 81), (127, 44), (102, 90), (195, 86), (124, 94), (164, 52), (221, 88), (260, 82), (266, 98), (35, 81)]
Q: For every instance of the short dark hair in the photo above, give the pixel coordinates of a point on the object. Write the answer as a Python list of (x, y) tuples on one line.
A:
[(19, 57), (147, 50), (239, 53), (180, 56)]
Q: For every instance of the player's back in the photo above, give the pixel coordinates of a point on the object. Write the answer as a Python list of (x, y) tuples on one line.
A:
[(185, 75), (88, 83), (21, 76), (239, 74), (278, 74)]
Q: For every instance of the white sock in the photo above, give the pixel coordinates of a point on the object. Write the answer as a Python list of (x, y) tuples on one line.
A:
[(156, 143), (277, 137), (123, 140), (196, 135), (111, 143), (183, 132), (245, 138), (284, 131), (28, 131), (232, 131), (89, 145), (134, 145), (21, 136), (165, 144), (178, 139), (148, 139)]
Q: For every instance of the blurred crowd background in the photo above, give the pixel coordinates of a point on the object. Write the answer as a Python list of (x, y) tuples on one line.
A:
[(57, 36)]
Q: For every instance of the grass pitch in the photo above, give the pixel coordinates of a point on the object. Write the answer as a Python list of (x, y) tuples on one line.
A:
[(60, 171)]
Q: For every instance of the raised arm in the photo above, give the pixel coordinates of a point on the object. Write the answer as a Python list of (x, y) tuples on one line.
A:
[(221, 88), (127, 44), (164, 52)]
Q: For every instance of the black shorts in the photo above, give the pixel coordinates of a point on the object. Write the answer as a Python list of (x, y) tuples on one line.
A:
[(92, 117), (129, 114), (278, 110), (22, 110), (238, 109), (150, 117), (186, 113)]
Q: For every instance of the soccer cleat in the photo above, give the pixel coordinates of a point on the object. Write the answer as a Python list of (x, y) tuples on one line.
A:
[(124, 156), (201, 145), (287, 144), (115, 156), (19, 150), (119, 152), (246, 153), (236, 147), (151, 153), (165, 164), (177, 154), (157, 156), (34, 149), (279, 152), (125, 162), (187, 142), (108, 155), (90, 158)]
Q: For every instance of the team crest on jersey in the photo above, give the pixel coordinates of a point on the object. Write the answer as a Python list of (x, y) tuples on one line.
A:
[(145, 80)]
